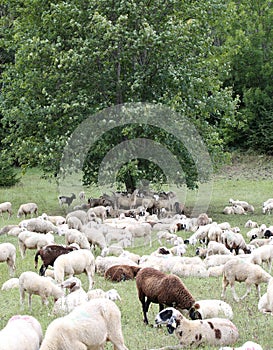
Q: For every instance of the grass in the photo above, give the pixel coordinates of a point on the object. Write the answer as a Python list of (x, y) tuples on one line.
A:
[(232, 182)]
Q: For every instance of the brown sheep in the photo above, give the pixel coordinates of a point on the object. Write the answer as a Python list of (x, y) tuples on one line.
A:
[(157, 287), (118, 273)]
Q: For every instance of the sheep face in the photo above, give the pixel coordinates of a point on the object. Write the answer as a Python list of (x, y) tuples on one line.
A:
[(168, 316)]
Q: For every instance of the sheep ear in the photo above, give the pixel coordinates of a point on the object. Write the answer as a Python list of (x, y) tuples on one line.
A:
[(171, 325)]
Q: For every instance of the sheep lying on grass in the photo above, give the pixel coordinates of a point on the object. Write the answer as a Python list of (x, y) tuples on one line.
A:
[(265, 304), (249, 345), (154, 286), (6, 207), (243, 271), (88, 326), (8, 255), (120, 273), (203, 309), (22, 332), (27, 209), (210, 332), (111, 294), (75, 263), (76, 296), (32, 283)]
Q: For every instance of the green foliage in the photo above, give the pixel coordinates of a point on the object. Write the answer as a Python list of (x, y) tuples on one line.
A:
[(8, 174)]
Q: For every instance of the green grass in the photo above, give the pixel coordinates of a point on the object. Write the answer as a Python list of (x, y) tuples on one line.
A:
[(252, 325)]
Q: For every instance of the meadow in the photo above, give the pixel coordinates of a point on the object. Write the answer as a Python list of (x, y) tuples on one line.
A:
[(240, 181)]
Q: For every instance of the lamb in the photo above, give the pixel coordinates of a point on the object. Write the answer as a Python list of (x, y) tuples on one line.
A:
[(27, 208), (75, 263), (263, 254), (243, 271), (33, 240), (75, 236), (193, 333), (10, 284), (88, 326), (111, 294), (32, 283), (49, 254), (203, 219), (238, 209), (77, 295), (217, 248), (154, 286), (22, 332), (120, 273), (66, 200), (100, 212), (8, 255), (203, 309), (6, 207), (249, 345)]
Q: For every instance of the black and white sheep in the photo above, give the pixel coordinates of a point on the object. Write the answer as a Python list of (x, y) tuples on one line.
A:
[(154, 286), (193, 333), (209, 308), (66, 199), (22, 332), (88, 326)]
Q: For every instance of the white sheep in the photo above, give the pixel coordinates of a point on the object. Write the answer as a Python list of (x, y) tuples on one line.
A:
[(216, 260), (242, 271), (75, 263), (118, 234), (238, 209), (74, 223), (80, 214), (76, 236), (256, 232), (27, 208), (54, 219), (251, 224), (132, 256), (32, 283), (39, 225), (100, 211), (209, 308), (249, 345), (95, 237), (228, 210), (8, 255), (22, 332), (33, 240), (115, 250), (141, 230), (88, 326), (217, 248), (263, 254), (15, 231), (111, 294), (6, 207), (10, 284), (76, 296), (267, 209), (193, 333), (265, 304)]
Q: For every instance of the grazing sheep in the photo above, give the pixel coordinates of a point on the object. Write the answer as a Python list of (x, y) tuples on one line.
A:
[(217, 248), (99, 211), (32, 283), (27, 208), (6, 229), (203, 309), (22, 332), (111, 294), (263, 254), (8, 255), (80, 214), (154, 286), (76, 236), (41, 226), (249, 345), (88, 326), (95, 237), (120, 273), (33, 240), (6, 207), (75, 263), (10, 284), (237, 270), (193, 333), (234, 242), (141, 230), (49, 254), (15, 231), (74, 223), (76, 296), (66, 200)]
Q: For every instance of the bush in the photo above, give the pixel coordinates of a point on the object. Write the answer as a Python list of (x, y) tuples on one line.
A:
[(8, 174)]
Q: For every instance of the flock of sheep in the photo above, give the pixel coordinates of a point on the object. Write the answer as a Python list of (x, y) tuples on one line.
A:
[(98, 242)]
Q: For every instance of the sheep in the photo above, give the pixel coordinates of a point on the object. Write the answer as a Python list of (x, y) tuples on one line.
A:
[(15, 231), (187, 270), (66, 200), (132, 256), (203, 309), (33, 240), (49, 254), (82, 196), (251, 224), (8, 255), (265, 304), (32, 283), (216, 260), (193, 333), (228, 210), (76, 296), (6, 207), (95, 237), (100, 211), (235, 241), (114, 249), (164, 235), (249, 345), (258, 242), (217, 248), (256, 232), (263, 254), (80, 214), (141, 230), (27, 208), (10, 284), (22, 332), (203, 219), (54, 219), (238, 209), (154, 286), (74, 223), (120, 273), (6, 229), (76, 236), (75, 263), (104, 263), (243, 271), (41, 226), (118, 234), (267, 209), (214, 232), (111, 294), (88, 326)]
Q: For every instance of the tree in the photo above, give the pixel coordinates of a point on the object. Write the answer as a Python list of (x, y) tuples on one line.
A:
[(75, 59)]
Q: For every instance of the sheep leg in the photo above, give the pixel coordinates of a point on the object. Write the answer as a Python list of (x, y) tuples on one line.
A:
[(145, 308), (42, 270), (225, 283), (29, 301), (235, 296), (248, 291)]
